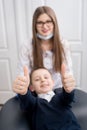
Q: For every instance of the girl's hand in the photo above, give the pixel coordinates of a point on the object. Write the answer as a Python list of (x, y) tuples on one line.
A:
[(21, 83), (67, 79)]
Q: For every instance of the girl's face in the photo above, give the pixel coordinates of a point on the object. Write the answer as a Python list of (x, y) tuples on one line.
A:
[(44, 25), (42, 81)]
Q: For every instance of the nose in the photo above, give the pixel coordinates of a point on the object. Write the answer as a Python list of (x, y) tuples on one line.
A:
[(44, 25), (42, 79)]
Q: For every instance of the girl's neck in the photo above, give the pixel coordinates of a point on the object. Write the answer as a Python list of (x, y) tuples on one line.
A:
[(46, 45)]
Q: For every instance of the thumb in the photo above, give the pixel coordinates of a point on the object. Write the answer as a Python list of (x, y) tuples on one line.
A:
[(26, 72), (63, 69)]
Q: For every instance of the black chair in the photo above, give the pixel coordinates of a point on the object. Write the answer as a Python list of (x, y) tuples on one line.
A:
[(12, 118)]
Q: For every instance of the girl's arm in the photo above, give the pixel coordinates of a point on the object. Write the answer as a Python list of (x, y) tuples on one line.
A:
[(25, 57), (68, 60)]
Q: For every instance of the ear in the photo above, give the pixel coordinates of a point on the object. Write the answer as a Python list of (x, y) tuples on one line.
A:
[(31, 88)]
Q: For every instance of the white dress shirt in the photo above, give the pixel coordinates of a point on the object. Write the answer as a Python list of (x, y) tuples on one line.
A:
[(47, 96)]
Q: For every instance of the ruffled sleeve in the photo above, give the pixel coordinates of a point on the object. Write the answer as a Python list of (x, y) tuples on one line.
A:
[(25, 57), (68, 61)]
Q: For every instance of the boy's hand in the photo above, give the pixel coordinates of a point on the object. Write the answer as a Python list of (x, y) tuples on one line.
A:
[(21, 83), (67, 79)]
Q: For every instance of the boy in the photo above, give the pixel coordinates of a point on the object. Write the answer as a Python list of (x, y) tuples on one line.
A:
[(49, 111)]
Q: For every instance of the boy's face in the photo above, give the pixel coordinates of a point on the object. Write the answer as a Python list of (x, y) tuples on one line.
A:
[(42, 81)]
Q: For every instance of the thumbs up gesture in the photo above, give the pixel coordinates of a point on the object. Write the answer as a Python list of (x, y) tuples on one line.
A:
[(67, 79), (21, 83), (26, 74)]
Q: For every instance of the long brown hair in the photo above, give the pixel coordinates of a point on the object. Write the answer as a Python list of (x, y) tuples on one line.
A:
[(58, 51)]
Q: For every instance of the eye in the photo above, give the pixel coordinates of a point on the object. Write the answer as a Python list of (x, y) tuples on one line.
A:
[(37, 79), (39, 23), (48, 21), (46, 77)]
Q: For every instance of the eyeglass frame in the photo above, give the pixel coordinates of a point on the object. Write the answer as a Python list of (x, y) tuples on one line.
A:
[(41, 23)]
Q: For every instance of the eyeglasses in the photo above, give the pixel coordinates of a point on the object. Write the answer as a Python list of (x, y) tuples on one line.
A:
[(41, 24)]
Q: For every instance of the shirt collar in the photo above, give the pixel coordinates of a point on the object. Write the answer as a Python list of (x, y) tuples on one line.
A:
[(47, 96)]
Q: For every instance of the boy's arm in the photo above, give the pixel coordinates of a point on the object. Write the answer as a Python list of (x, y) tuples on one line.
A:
[(27, 101), (68, 86), (66, 98)]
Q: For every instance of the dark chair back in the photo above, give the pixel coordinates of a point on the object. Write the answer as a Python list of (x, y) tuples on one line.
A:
[(12, 118)]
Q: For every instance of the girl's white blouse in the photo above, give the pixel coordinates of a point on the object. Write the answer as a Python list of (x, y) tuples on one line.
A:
[(26, 58)]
